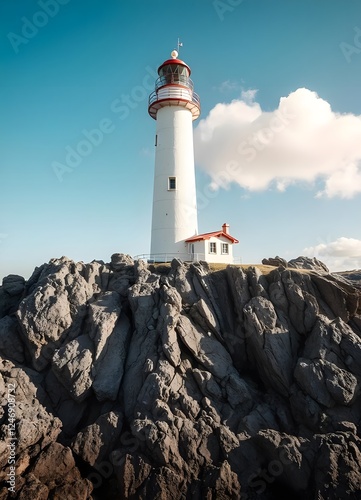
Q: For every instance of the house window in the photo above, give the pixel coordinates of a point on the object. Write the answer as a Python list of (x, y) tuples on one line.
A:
[(212, 247), (225, 248), (172, 185)]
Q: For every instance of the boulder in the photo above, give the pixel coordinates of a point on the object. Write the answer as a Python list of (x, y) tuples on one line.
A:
[(95, 442), (275, 261), (121, 262), (13, 284)]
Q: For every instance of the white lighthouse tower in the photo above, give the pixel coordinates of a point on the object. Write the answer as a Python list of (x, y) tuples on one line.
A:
[(174, 106)]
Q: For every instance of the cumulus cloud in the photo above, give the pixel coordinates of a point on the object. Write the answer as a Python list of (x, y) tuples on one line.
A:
[(303, 140), (341, 254)]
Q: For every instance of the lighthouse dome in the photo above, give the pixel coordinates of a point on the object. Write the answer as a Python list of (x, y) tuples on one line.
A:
[(174, 65)]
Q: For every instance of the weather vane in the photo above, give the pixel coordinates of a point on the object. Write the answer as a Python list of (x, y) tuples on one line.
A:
[(179, 44)]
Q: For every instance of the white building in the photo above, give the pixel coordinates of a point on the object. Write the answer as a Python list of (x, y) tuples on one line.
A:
[(215, 247), (174, 105)]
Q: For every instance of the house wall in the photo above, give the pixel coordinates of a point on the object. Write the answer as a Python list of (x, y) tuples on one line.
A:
[(201, 251)]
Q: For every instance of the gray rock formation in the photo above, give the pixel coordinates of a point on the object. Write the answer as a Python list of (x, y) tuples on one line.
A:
[(275, 261), (175, 382), (299, 263), (352, 277), (308, 263)]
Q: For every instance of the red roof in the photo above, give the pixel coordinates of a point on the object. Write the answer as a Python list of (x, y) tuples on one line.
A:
[(207, 236), (174, 61)]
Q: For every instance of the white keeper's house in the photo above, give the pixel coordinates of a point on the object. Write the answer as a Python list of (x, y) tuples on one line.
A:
[(216, 247), (174, 105)]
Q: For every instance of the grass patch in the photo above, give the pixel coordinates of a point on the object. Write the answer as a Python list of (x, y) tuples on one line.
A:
[(164, 267), (264, 269)]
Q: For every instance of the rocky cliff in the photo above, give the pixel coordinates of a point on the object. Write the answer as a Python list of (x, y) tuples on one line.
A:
[(179, 382)]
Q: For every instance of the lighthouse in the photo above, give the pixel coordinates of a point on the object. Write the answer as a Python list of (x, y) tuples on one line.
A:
[(174, 105)]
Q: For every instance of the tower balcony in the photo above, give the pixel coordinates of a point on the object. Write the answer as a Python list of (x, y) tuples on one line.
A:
[(174, 90)]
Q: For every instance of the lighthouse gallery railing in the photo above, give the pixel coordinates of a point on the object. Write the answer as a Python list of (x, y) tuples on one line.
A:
[(174, 87), (174, 93)]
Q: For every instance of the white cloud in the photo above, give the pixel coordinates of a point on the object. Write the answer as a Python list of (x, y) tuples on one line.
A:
[(229, 85), (249, 95), (343, 183), (341, 254), (303, 140)]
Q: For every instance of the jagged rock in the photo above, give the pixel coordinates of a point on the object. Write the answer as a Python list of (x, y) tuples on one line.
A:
[(308, 263), (205, 348), (33, 488), (94, 274), (109, 369), (72, 365), (34, 422), (270, 344), (353, 278), (55, 467), (220, 483), (337, 470), (261, 417), (13, 284), (258, 283), (54, 310), (121, 261), (131, 471), (11, 292), (343, 300), (34, 427), (183, 282), (288, 458), (44, 318), (169, 310), (275, 261), (306, 411), (96, 442), (11, 346), (180, 382), (296, 301), (325, 382), (69, 410), (110, 334)]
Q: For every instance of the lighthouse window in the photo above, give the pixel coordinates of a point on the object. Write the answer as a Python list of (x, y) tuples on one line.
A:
[(172, 184), (212, 247), (172, 69), (225, 248)]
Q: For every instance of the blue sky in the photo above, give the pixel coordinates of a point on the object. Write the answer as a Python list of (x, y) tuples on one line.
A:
[(77, 68)]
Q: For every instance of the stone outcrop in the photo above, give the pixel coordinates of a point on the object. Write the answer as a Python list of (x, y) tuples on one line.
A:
[(175, 381), (299, 263)]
